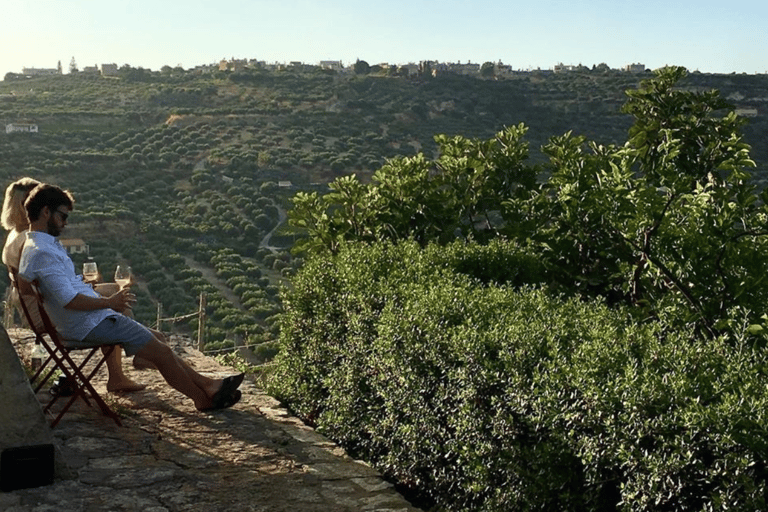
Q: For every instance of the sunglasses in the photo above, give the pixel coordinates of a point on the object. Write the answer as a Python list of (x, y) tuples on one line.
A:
[(64, 216)]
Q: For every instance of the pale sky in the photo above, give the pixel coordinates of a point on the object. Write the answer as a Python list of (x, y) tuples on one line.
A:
[(709, 36)]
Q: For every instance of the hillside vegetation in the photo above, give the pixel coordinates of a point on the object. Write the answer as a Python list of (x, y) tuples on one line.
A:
[(176, 171)]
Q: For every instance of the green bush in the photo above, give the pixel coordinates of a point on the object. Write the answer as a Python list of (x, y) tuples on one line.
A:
[(488, 393)]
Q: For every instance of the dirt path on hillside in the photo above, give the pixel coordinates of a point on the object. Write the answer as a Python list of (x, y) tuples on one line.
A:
[(210, 275), (282, 217)]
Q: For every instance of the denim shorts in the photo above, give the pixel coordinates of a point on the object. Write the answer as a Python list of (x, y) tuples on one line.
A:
[(117, 330)]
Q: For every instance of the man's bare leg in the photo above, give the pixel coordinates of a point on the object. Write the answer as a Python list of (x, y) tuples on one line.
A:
[(143, 364), (118, 381), (179, 375), (138, 362)]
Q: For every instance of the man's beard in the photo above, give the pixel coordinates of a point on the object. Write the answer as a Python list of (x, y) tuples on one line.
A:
[(53, 229)]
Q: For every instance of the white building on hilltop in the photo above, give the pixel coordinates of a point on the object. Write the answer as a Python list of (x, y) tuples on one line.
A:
[(19, 127), (335, 65), (40, 71), (109, 70)]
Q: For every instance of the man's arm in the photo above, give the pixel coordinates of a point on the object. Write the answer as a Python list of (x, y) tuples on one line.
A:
[(119, 301), (56, 285)]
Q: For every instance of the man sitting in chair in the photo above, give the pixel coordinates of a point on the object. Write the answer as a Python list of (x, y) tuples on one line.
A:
[(83, 316)]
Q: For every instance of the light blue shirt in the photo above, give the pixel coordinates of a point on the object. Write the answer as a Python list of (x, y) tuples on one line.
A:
[(45, 260)]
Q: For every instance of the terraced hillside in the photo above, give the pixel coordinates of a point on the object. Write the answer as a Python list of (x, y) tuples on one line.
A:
[(184, 174)]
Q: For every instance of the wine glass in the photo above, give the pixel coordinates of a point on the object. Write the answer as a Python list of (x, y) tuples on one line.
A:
[(123, 276), (90, 271)]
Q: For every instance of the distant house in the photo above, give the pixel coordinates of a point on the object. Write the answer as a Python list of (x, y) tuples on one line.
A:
[(500, 69), (563, 68), (411, 69), (40, 71), (238, 64), (206, 68), (109, 70), (635, 68), (233, 64), (450, 68), (75, 245), (20, 127), (335, 65), (284, 184), (746, 112)]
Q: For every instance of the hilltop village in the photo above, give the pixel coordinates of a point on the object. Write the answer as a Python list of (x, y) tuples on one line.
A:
[(433, 68)]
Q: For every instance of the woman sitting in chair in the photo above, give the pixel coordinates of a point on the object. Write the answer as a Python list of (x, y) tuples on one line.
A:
[(14, 219)]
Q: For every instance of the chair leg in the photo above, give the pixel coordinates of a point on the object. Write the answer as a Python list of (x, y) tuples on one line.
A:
[(83, 388)]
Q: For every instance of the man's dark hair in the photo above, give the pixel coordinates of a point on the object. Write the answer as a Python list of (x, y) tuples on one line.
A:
[(47, 195)]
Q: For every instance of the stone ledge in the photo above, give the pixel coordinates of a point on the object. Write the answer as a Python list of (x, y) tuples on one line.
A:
[(169, 457)]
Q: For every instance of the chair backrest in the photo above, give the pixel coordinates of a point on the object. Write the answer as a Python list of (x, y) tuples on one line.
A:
[(31, 303)]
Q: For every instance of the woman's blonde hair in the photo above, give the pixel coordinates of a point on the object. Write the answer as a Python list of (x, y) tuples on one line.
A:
[(14, 216)]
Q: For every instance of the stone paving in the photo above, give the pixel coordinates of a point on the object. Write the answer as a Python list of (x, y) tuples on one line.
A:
[(169, 457)]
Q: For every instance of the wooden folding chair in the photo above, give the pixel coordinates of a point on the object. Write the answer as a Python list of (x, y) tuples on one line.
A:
[(59, 353)]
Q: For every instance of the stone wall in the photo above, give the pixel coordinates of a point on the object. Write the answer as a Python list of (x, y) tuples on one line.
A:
[(22, 422)]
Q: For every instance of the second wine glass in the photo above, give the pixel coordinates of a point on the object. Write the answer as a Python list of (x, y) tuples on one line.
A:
[(123, 276)]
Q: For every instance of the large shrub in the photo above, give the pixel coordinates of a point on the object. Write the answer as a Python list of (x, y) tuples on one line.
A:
[(484, 392)]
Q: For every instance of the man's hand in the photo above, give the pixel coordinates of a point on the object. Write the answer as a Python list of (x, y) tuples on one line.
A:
[(122, 300)]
